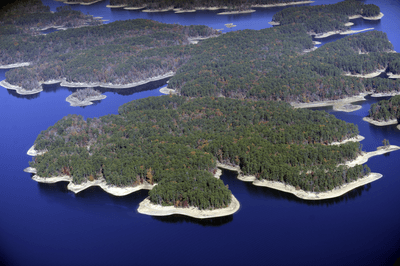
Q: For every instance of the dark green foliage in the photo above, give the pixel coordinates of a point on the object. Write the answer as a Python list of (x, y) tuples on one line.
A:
[(386, 109), (120, 52), (171, 140), (324, 18)]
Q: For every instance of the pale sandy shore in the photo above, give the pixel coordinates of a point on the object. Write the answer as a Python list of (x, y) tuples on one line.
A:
[(367, 18), (285, 4), (385, 94), (134, 8), (146, 207), (348, 24), (306, 195), (358, 138), (195, 40), (354, 31), (114, 86), (180, 10), (30, 170), (316, 42), (88, 101), (393, 76), (115, 6), (18, 89), (338, 104), (310, 50), (15, 65), (65, 83), (346, 107), (381, 123), (363, 158), (398, 127), (76, 188), (375, 18), (236, 12), (326, 34), (33, 152), (369, 75), (158, 10), (167, 91), (273, 23)]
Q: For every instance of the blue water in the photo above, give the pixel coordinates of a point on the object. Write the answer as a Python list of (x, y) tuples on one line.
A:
[(43, 224)]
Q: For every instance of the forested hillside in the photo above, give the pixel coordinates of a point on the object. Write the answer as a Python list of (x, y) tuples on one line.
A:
[(269, 65), (175, 141), (193, 4), (324, 18), (28, 16), (385, 110), (120, 52)]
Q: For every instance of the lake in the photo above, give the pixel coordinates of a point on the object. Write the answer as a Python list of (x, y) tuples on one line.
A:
[(45, 224)]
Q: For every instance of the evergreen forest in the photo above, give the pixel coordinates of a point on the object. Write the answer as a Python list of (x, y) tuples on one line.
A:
[(176, 142), (385, 110)]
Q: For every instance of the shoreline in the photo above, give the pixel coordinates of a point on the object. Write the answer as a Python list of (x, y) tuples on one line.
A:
[(385, 94), (381, 123), (148, 208), (88, 101), (167, 91), (65, 83), (236, 12), (308, 195), (369, 75), (358, 138), (337, 104), (336, 192), (361, 159), (367, 18), (354, 31), (19, 89), (15, 65), (76, 188)]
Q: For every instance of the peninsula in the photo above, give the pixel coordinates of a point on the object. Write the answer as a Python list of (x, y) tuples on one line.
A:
[(311, 195)]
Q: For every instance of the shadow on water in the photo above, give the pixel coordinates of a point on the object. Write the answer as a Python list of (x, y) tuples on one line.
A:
[(218, 221), (47, 88)]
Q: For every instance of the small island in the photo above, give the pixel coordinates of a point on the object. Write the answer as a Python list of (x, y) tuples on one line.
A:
[(84, 97), (385, 112)]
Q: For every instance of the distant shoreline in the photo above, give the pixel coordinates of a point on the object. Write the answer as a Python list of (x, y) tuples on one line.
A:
[(180, 10), (65, 83)]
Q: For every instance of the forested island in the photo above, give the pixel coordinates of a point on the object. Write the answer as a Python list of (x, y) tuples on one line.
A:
[(176, 142), (326, 18), (385, 112), (231, 109), (84, 97), (25, 18)]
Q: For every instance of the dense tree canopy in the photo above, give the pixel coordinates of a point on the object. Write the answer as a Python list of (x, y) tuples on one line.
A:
[(176, 142), (386, 109)]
